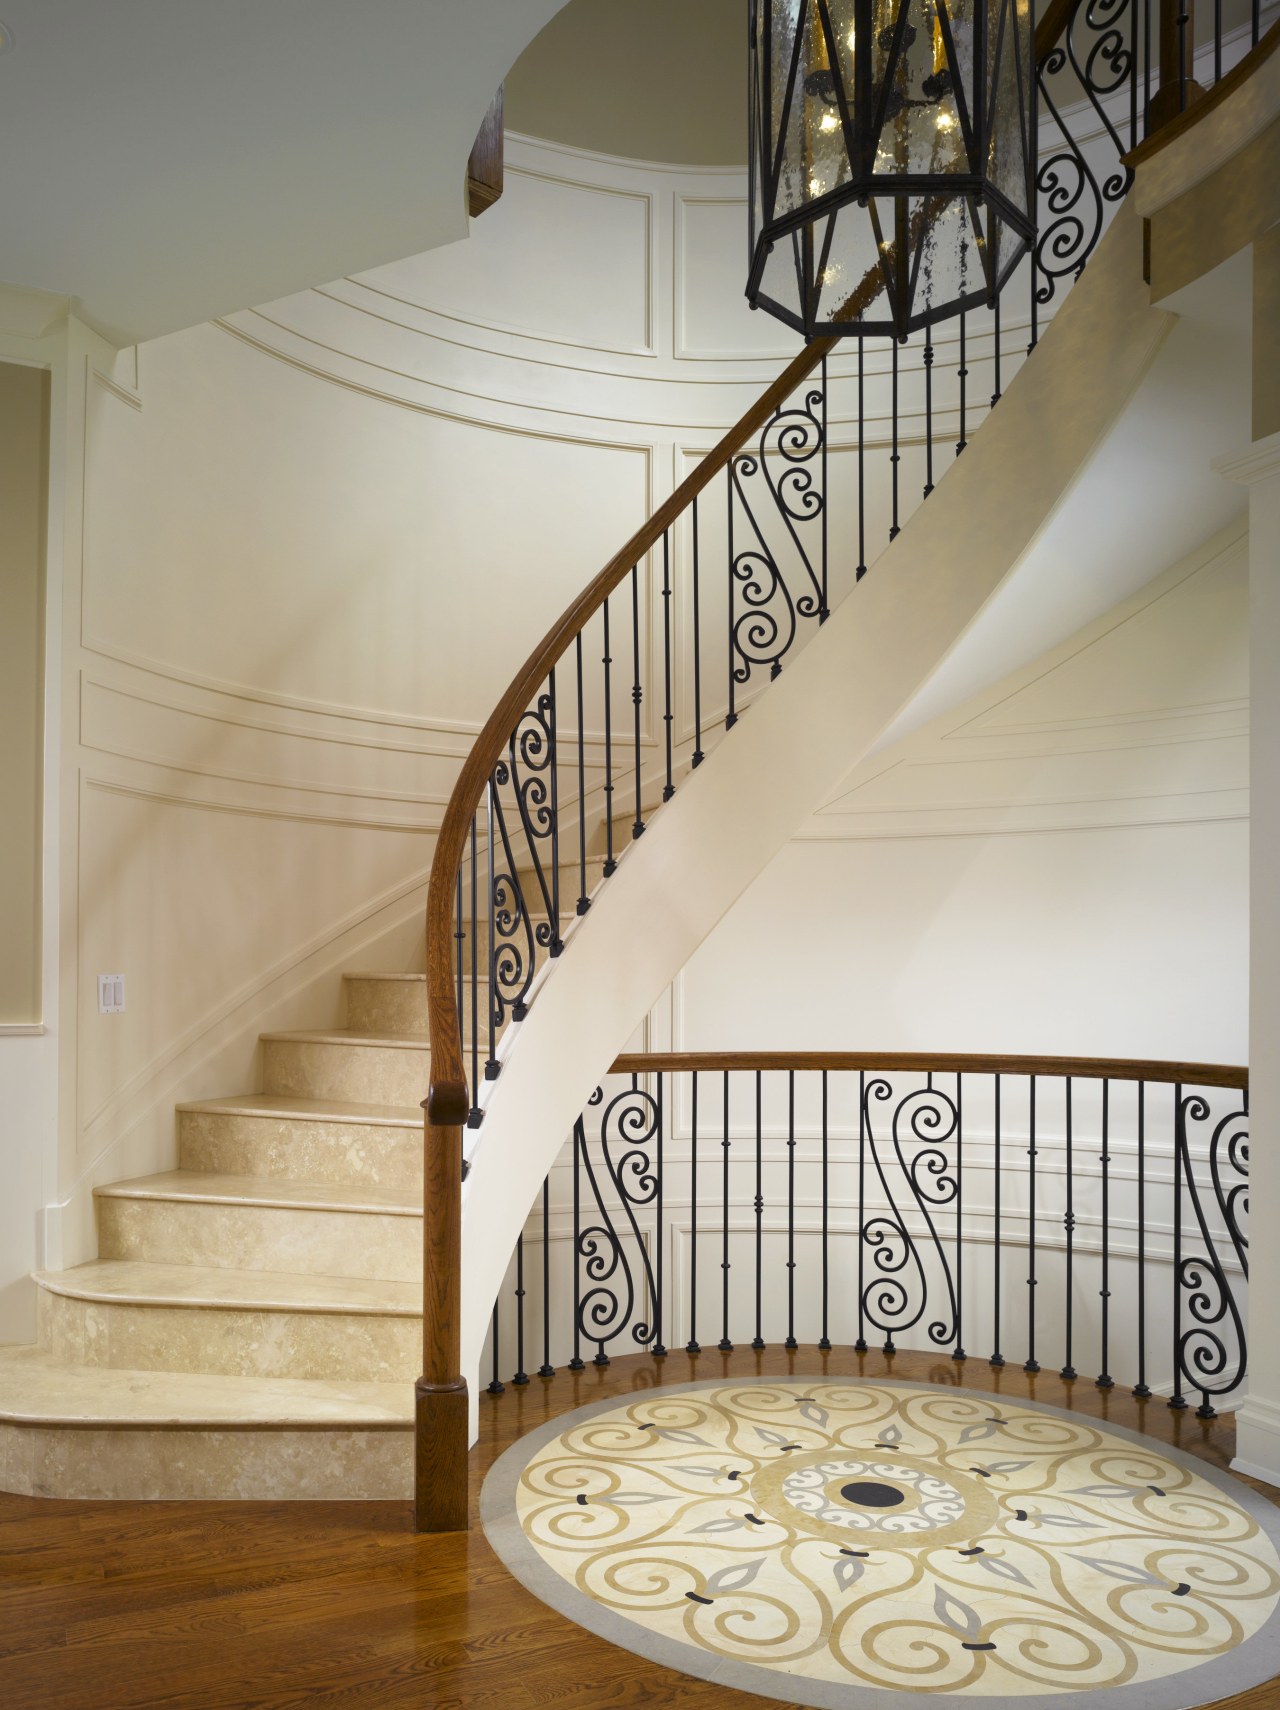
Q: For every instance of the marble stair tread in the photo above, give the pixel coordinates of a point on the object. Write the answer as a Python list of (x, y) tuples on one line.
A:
[(346, 1036), (140, 1283), (38, 1390), (210, 1188), (295, 1108)]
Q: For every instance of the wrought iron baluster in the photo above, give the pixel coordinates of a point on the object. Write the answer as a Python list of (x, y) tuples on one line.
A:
[(997, 1358), (496, 1385), (460, 941), (692, 1346), (553, 762), (637, 692), (1217, 41), (726, 1346), (824, 1341), (1068, 1372), (473, 1118), (862, 468), (894, 458), (584, 901), (1202, 1354), (521, 1376), (964, 378), (1031, 1364), (491, 911), (791, 1210), (1177, 1401), (698, 755), (995, 310), (668, 789), (1105, 1380), (731, 717), (610, 863), (959, 1353), (546, 1369), (928, 414), (1141, 1390), (757, 1341), (860, 1346), (660, 1119), (579, 1147)]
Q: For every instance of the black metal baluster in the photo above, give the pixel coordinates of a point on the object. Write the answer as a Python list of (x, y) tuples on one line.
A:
[(496, 1385), (1182, 57), (928, 414), (860, 1346), (1217, 41), (731, 717), (791, 1210), (637, 693), (1146, 64), (546, 1369), (491, 1060), (1141, 1390), (521, 1376), (579, 1147), (553, 761), (698, 755), (1255, 21), (894, 459), (824, 1341), (964, 389), (1031, 1364), (610, 864), (995, 309), (757, 1341), (659, 1347), (862, 469), (460, 939), (1177, 1401), (692, 1345), (473, 1118), (1068, 1371), (997, 1358), (959, 1353), (1105, 1380), (668, 789), (726, 1346), (584, 901), (824, 610)]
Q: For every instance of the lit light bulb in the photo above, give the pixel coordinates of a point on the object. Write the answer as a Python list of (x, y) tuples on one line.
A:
[(831, 274), (829, 122), (946, 121), (816, 185)]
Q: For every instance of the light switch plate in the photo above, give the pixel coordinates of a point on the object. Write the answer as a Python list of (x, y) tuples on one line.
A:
[(110, 994)]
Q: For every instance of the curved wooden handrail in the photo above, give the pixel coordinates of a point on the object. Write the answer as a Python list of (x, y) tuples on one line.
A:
[(448, 1102), (1080, 1068)]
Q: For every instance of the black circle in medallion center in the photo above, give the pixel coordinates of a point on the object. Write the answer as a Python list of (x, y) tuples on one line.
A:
[(868, 1495)]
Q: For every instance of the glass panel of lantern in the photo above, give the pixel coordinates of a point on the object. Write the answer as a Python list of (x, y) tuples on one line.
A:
[(891, 158)]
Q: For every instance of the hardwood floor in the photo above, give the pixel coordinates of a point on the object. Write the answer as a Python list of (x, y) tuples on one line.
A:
[(339, 1606)]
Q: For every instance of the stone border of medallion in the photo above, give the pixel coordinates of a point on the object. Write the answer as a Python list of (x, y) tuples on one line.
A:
[(1248, 1665)]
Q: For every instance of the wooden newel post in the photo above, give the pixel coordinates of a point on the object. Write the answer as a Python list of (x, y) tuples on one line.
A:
[(441, 1413)]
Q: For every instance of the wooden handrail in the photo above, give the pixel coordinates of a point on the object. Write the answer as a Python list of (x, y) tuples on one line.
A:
[(1080, 1068), (448, 1101)]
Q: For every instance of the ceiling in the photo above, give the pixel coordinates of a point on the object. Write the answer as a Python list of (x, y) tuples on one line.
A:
[(658, 80), (166, 161)]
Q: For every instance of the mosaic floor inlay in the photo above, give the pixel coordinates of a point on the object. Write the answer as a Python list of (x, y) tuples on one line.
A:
[(823, 1540)]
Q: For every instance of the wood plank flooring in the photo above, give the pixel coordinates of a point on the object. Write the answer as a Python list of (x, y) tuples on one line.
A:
[(339, 1606)]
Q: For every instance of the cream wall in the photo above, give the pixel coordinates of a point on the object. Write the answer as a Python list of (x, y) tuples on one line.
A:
[(1059, 865)]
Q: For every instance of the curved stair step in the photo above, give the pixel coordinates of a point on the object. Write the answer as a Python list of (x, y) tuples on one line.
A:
[(373, 1068), (187, 1217), (133, 1314), (78, 1431), (284, 1137)]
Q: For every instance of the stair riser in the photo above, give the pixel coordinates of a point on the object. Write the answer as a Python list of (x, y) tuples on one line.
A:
[(234, 1342), (261, 1238), (360, 1074), (386, 1006), (278, 1149), (254, 1465)]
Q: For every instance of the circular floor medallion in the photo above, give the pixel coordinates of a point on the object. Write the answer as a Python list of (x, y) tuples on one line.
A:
[(825, 1542)]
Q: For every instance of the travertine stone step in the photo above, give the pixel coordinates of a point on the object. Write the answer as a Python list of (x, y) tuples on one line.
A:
[(68, 1430), (286, 1138), (243, 1223), (367, 1068), (190, 1318), (386, 1003)]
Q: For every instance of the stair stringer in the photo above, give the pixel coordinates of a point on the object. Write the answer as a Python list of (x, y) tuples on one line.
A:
[(988, 516)]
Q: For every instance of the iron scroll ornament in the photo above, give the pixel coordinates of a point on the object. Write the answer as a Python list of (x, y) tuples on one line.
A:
[(1210, 1349), (607, 1307)]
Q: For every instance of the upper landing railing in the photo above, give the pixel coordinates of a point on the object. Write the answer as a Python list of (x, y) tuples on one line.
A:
[(625, 695)]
